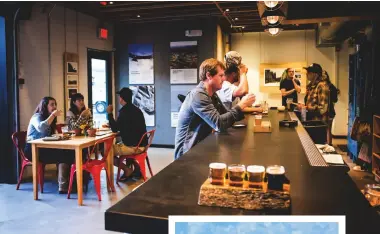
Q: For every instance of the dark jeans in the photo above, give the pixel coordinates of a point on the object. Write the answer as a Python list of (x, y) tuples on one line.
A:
[(50, 156)]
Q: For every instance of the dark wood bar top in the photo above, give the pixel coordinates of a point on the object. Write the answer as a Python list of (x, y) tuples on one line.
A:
[(175, 190)]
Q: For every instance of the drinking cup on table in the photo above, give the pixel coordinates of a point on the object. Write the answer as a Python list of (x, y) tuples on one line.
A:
[(217, 173), (258, 119), (256, 176), (236, 174), (276, 177)]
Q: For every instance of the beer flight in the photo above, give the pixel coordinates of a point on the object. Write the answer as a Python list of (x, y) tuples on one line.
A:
[(255, 175)]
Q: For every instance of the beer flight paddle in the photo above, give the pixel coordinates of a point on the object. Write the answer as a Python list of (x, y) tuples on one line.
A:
[(252, 187)]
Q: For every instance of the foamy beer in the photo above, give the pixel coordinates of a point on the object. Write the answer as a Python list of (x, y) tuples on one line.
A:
[(217, 173), (236, 174), (255, 176), (276, 177)]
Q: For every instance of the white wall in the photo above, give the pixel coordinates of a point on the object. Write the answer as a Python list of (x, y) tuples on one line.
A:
[(341, 107), (33, 53), (292, 46)]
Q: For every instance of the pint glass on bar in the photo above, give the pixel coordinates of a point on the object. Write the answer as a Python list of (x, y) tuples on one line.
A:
[(256, 176), (276, 177), (217, 173), (236, 174)]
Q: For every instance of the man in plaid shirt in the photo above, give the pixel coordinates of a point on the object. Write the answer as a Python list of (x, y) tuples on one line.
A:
[(317, 94)]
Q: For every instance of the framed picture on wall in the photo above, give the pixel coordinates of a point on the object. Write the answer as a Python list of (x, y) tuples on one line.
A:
[(72, 67), (72, 80), (143, 98), (175, 103), (72, 92), (271, 76), (141, 64), (184, 62)]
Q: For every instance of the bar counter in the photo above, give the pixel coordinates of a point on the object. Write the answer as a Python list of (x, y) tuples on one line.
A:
[(315, 190)]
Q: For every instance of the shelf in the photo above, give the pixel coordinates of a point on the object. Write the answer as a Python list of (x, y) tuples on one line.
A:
[(377, 176), (376, 155)]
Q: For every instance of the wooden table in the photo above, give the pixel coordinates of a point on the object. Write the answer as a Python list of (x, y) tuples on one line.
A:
[(76, 143)]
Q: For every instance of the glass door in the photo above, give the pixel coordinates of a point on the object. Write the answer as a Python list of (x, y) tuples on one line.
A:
[(99, 84)]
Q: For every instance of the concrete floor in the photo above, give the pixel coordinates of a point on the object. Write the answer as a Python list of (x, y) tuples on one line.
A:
[(54, 213), (19, 213)]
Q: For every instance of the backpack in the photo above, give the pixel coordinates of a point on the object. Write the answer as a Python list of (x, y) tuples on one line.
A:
[(332, 100), (333, 94)]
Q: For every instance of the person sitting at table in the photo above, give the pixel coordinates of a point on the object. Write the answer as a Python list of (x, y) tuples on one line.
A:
[(42, 124), (289, 86), (198, 114), (235, 85), (131, 125), (78, 115)]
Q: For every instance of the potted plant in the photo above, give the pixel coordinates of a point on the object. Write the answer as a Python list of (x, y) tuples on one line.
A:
[(78, 131)]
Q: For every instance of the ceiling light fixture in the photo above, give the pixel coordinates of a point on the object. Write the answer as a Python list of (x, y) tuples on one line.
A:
[(273, 31), (270, 4), (227, 10), (111, 3), (236, 18), (272, 18), (138, 16)]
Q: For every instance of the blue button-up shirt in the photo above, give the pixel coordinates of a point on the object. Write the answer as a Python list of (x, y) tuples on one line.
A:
[(198, 116)]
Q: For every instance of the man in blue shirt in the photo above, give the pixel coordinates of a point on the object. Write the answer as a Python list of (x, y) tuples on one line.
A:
[(198, 114)]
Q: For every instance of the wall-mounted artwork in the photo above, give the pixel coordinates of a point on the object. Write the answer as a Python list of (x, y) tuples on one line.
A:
[(175, 103), (183, 62), (143, 98), (72, 67), (72, 92), (271, 75), (72, 80), (141, 64)]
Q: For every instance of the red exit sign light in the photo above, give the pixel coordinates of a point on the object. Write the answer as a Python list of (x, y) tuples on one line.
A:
[(103, 33)]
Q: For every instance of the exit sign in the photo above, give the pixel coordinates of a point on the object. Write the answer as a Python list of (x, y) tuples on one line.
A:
[(103, 33)]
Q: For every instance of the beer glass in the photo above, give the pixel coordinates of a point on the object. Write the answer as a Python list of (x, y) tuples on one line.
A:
[(289, 101), (217, 173), (236, 174), (258, 119), (276, 177), (255, 176)]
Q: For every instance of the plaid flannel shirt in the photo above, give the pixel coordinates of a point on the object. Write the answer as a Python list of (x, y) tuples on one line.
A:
[(317, 102)]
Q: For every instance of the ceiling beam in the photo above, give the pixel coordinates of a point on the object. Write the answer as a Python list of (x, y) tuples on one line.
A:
[(163, 13), (156, 6), (326, 20), (171, 17), (162, 20), (120, 4)]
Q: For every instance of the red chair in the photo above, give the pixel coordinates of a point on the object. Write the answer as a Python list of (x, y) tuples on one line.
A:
[(59, 127), (95, 167), (19, 141), (139, 157)]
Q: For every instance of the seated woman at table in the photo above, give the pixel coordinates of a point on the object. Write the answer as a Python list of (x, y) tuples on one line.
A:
[(42, 124), (78, 114)]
